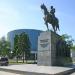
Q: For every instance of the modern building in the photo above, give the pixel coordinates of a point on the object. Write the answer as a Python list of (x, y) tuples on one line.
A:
[(33, 36)]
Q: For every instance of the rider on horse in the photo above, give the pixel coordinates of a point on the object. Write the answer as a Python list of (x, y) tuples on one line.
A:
[(49, 17), (52, 12)]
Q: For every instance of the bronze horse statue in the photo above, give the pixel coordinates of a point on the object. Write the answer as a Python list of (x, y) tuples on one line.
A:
[(49, 19)]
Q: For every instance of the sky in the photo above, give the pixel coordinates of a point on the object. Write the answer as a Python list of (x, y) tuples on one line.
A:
[(27, 14)]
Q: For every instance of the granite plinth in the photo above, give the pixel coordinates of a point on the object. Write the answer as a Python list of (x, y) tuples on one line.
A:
[(47, 48)]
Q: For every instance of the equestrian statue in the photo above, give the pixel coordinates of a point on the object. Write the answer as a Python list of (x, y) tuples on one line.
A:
[(49, 18)]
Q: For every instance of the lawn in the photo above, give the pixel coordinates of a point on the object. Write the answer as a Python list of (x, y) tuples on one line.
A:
[(12, 61)]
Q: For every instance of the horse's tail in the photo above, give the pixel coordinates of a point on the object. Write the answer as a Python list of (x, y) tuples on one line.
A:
[(57, 24)]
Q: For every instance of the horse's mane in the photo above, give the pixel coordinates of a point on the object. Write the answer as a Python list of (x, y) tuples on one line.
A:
[(45, 9)]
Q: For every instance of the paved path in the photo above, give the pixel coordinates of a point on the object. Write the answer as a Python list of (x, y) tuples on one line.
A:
[(34, 69), (7, 73), (73, 73)]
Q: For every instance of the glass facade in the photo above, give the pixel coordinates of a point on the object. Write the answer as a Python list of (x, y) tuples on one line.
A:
[(32, 33)]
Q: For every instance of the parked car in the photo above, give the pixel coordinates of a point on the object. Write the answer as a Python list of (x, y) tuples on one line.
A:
[(4, 61)]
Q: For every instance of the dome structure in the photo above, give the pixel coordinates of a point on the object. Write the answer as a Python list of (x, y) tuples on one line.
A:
[(33, 36)]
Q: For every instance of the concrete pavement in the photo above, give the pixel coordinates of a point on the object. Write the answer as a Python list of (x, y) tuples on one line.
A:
[(73, 73), (33, 69), (8, 73)]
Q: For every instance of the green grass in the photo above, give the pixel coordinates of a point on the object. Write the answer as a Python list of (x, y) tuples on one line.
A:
[(11, 61)]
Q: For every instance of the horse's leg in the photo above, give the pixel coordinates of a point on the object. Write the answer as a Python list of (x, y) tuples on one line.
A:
[(46, 23), (47, 26), (57, 24), (58, 27), (54, 28)]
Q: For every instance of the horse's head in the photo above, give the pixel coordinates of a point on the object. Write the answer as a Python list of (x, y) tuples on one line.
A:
[(43, 6)]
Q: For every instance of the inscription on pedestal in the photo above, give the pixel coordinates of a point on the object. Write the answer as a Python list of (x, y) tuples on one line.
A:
[(44, 43)]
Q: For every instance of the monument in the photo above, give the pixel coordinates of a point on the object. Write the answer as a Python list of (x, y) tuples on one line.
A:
[(50, 50), (49, 17), (47, 48)]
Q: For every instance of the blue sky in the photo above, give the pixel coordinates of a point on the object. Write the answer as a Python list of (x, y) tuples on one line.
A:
[(27, 14)]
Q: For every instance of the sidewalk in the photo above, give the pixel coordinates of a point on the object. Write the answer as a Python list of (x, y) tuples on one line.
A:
[(73, 73), (33, 69), (8, 73)]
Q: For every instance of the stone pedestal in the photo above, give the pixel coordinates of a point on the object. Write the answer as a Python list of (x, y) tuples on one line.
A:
[(47, 48)]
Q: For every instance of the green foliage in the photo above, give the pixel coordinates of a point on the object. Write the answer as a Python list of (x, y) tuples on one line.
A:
[(21, 46), (68, 40), (73, 47), (16, 50), (67, 61), (64, 46), (4, 47)]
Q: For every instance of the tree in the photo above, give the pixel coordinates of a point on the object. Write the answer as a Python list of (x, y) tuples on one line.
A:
[(4, 47), (69, 43), (22, 46), (73, 47), (68, 40), (16, 51), (63, 47)]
